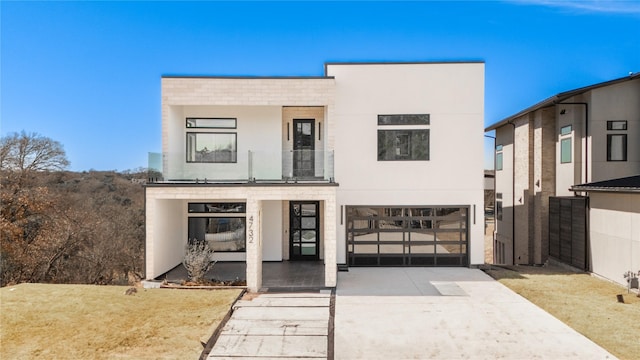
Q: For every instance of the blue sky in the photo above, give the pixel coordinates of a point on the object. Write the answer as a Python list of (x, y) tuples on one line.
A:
[(87, 74)]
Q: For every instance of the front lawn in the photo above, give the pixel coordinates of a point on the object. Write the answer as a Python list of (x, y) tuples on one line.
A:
[(587, 304), (99, 322)]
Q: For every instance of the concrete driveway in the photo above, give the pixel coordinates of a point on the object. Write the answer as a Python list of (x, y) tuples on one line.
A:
[(445, 313)]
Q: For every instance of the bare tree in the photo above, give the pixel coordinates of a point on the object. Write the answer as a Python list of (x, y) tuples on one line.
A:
[(26, 152)]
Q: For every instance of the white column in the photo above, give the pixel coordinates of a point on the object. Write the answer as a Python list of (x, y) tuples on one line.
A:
[(254, 245), (330, 265)]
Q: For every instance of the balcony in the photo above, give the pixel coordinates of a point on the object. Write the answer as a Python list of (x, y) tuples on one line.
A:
[(292, 166)]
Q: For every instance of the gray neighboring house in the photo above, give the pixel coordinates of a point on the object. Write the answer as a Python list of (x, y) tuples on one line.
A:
[(614, 226), (581, 136)]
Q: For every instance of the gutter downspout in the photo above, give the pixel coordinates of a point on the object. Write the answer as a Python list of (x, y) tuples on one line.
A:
[(586, 137), (513, 195)]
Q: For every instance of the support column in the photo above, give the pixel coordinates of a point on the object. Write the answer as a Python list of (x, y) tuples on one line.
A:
[(330, 256), (254, 244)]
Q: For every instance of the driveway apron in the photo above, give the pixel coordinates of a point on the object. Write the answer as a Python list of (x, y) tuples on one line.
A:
[(445, 313)]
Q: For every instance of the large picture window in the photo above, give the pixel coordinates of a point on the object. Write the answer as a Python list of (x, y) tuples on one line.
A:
[(221, 225), (403, 137), (403, 145), (211, 147)]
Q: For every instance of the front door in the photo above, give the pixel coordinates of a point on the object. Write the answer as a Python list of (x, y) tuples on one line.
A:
[(304, 230), (303, 148)]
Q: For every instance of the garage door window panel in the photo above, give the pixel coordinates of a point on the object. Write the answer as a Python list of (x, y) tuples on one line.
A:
[(422, 249), (415, 236)]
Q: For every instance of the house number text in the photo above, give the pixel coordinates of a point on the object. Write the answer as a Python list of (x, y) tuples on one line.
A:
[(250, 231)]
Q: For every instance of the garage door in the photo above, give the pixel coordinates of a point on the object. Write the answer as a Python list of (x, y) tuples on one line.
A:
[(407, 236)]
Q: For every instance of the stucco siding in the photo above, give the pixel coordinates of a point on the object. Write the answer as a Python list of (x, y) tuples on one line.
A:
[(453, 96), (616, 102), (614, 234)]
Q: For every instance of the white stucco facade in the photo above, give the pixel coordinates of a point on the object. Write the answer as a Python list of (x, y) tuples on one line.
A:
[(338, 116), (453, 95)]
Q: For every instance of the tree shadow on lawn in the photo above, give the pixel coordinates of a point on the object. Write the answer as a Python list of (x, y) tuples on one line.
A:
[(500, 272)]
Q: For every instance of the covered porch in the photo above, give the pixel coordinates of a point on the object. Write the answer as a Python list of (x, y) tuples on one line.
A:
[(275, 224), (276, 275)]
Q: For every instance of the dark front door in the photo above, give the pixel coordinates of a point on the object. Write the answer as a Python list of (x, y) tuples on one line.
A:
[(304, 230), (303, 148)]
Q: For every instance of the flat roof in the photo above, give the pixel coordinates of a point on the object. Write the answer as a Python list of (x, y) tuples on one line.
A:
[(179, 76), (171, 76)]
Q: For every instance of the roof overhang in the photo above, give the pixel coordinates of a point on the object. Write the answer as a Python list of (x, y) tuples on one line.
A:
[(630, 184), (558, 99)]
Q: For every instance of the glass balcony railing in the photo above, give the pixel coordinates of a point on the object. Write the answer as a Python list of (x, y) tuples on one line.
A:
[(250, 166)]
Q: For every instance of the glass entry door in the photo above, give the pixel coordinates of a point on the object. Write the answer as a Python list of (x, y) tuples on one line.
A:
[(303, 148), (304, 230)]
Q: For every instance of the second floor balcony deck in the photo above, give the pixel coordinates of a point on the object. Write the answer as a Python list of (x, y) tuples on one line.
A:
[(291, 166)]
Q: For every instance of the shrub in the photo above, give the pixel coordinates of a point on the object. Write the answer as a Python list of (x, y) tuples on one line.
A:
[(197, 260)]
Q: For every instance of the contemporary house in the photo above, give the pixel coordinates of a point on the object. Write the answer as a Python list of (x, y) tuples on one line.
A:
[(581, 136), (372, 164)]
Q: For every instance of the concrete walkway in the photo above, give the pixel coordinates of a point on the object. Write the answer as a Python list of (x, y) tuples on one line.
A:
[(275, 326), (445, 313)]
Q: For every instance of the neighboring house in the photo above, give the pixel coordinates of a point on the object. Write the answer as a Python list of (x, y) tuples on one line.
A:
[(580, 136), (373, 164), (614, 226)]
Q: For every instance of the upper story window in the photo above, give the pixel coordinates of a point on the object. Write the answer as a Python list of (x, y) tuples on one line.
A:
[(211, 123), (566, 144), (206, 146), (617, 125), (407, 119), (403, 137), (617, 140), (499, 157)]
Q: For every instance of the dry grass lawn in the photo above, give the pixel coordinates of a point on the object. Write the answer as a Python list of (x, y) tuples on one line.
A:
[(100, 322), (585, 303)]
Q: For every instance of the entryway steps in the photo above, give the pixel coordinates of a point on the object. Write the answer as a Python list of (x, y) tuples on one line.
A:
[(276, 326)]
